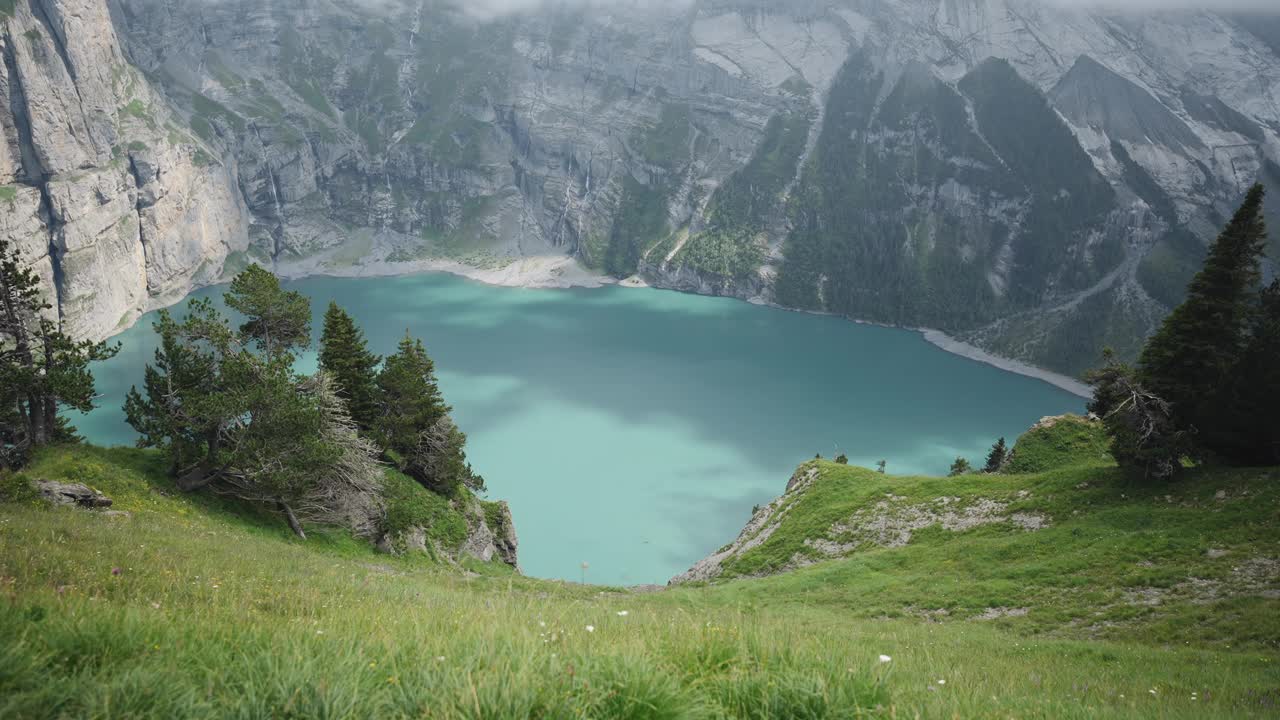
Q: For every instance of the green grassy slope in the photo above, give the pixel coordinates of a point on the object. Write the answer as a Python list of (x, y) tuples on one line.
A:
[(1196, 562), (217, 612)]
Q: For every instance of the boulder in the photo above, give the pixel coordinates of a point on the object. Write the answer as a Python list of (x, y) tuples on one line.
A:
[(72, 494), (484, 542)]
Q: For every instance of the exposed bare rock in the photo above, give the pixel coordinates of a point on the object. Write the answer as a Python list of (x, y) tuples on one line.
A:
[(22, 222), (484, 542), (997, 613), (376, 138), (762, 525), (487, 538), (116, 205), (76, 494), (890, 522)]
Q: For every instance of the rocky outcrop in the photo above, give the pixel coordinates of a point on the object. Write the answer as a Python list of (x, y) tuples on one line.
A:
[(118, 207), (490, 536), (764, 522), (75, 494), (889, 521)]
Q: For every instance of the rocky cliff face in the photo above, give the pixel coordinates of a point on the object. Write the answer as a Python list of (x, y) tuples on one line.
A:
[(490, 536), (119, 207), (1035, 180)]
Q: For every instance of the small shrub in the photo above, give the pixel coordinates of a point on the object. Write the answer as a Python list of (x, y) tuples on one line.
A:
[(16, 488), (997, 458), (410, 505)]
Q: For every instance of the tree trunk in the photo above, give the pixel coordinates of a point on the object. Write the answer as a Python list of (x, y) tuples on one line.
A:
[(48, 400), (195, 479), (39, 431), (50, 418), (203, 473), (24, 416), (294, 525)]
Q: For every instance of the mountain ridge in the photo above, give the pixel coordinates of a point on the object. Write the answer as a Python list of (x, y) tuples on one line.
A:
[(686, 149)]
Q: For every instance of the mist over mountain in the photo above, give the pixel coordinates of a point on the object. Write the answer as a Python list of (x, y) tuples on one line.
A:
[(1039, 179)]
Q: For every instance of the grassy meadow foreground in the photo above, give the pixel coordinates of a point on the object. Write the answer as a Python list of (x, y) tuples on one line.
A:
[(1130, 602)]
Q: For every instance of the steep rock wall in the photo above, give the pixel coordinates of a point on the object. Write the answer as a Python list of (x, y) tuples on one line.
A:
[(1035, 180), (119, 209)]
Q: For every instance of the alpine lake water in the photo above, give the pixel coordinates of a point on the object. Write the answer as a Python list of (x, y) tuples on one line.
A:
[(635, 429)]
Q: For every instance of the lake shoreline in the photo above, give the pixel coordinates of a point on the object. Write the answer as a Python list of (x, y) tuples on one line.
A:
[(551, 387), (562, 272)]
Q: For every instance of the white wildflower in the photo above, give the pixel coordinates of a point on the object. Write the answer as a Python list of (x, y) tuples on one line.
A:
[(623, 613), (591, 628), (885, 658)]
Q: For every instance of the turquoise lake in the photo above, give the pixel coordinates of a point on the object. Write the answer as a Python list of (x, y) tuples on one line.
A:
[(635, 429)]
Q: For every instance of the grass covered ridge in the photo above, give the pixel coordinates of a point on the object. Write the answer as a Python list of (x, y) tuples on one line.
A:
[(194, 607), (1076, 549)]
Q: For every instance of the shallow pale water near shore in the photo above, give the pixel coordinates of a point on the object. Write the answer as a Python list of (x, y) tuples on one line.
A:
[(634, 429)]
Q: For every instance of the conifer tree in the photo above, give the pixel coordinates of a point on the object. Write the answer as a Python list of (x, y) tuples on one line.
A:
[(233, 417), (1144, 437), (1191, 358), (410, 398), (997, 457), (413, 425), (960, 467), (42, 369), (1254, 437), (277, 321), (345, 356)]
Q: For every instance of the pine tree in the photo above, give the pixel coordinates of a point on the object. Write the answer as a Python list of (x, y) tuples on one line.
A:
[(413, 425), (1144, 438), (278, 321), (1254, 437), (960, 467), (232, 416), (410, 398), (1107, 391), (344, 354), (42, 369), (1190, 360), (997, 457)]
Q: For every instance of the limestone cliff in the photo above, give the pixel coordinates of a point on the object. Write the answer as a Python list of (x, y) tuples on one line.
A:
[(1036, 180), (118, 207)]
